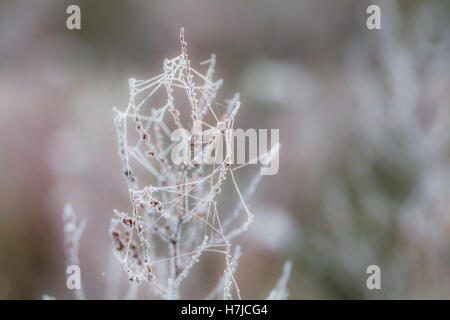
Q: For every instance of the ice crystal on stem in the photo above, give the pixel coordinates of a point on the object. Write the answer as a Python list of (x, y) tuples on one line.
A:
[(72, 236)]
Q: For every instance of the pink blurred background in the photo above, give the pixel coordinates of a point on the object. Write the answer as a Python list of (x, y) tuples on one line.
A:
[(363, 119)]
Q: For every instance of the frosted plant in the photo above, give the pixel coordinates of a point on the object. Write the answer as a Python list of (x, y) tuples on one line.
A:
[(72, 235), (174, 216), (399, 78)]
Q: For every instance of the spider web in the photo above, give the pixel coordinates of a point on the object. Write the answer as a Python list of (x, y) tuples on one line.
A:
[(177, 207)]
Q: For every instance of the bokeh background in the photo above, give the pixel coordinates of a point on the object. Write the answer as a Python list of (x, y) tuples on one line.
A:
[(364, 127)]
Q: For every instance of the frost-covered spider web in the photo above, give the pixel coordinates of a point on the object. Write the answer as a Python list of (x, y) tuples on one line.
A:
[(174, 217)]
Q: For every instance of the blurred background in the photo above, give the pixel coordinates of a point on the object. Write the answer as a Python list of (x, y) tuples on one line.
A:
[(364, 127)]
